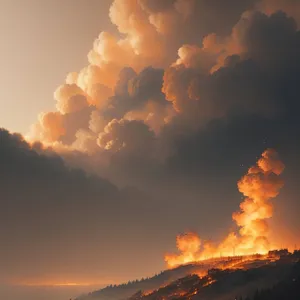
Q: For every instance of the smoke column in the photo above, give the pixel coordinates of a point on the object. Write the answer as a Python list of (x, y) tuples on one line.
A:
[(259, 186)]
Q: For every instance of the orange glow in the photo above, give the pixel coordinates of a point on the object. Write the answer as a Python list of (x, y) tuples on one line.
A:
[(259, 186), (58, 283), (211, 281), (70, 284)]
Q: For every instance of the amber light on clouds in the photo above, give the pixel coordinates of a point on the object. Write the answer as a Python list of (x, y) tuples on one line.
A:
[(139, 120)]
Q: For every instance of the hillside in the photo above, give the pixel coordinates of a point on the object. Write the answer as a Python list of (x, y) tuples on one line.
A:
[(123, 291), (210, 279), (250, 280)]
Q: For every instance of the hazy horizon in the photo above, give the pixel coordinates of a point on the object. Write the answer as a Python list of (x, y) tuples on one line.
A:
[(45, 292)]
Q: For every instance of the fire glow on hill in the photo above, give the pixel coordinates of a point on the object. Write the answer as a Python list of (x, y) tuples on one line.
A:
[(259, 186)]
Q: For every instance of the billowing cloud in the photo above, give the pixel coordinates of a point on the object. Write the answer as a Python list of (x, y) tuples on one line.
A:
[(204, 80), (189, 245), (127, 135), (291, 7), (152, 33), (70, 98), (50, 127)]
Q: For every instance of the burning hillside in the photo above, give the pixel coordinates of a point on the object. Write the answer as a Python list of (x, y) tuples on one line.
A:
[(275, 275), (259, 186), (208, 279)]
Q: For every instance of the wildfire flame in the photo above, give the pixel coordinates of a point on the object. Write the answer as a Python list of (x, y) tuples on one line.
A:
[(259, 186)]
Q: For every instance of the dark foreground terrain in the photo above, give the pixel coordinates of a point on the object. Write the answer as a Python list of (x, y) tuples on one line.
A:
[(255, 277)]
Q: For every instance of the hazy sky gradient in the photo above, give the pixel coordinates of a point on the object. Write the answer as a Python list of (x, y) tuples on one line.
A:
[(42, 41)]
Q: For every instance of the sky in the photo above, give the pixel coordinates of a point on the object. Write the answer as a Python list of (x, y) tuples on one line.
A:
[(46, 40), (124, 127)]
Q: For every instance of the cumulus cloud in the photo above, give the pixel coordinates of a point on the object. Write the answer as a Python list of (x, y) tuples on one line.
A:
[(203, 66), (118, 81), (154, 114), (152, 32), (128, 135), (99, 95), (97, 122), (70, 98), (49, 128), (85, 142)]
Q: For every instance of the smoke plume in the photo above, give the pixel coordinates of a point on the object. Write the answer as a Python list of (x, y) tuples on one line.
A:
[(175, 67), (258, 186)]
